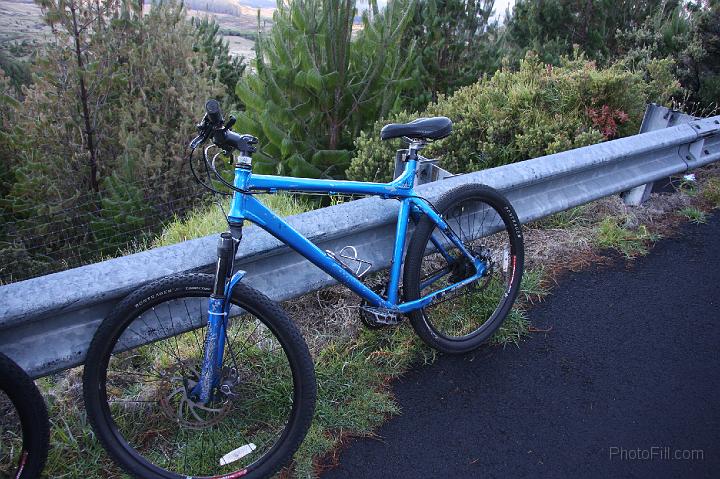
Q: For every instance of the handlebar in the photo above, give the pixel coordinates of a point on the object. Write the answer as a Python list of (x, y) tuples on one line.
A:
[(213, 112), (213, 126)]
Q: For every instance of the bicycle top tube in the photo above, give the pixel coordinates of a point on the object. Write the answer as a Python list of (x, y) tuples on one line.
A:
[(400, 187)]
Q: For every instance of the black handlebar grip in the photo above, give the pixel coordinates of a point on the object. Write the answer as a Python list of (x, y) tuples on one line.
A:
[(214, 113)]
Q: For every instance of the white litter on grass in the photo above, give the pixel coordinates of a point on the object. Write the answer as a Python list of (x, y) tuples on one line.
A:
[(237, 454), (690, 177)]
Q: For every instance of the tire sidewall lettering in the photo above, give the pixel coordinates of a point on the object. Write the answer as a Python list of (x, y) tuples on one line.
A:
[(160, 294)]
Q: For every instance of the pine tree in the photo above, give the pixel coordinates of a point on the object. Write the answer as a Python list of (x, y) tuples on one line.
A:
[(707, 35), (16, 71), (453, 41), (75, 23), (689, 35), (8, 107), (229, 69), (316, 86), (552, 28)]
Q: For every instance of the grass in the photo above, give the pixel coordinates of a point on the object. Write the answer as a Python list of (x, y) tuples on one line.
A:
[(11, 440), (353, 399), (567, 219), (211, 219), (74, 452), (688, 186), (612, 234), (711, 192), (695, 215), (534, 286), (353, 374)]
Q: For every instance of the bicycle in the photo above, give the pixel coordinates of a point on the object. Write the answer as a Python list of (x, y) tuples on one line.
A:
[(25, 430), (195, 362)]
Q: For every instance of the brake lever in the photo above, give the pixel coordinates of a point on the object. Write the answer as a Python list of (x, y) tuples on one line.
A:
[(204, 131), (230, 123), (197, 141)]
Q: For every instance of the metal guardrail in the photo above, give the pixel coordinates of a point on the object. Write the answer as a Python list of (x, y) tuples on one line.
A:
[(46, 323), (655, 118)]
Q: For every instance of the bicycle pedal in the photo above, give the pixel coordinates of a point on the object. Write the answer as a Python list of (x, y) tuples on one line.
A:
[(349, 253), (375, 317)]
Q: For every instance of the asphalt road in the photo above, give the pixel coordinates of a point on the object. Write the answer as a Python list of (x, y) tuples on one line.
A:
[(628, 377)]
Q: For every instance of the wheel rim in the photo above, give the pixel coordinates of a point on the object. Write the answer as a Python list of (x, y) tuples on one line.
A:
[(472, 309), (156, 418)]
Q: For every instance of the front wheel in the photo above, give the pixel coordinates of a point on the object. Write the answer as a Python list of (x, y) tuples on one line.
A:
[(489, 229), (146, 359)]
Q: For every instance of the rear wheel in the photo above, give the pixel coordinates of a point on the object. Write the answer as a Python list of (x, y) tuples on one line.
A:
[(489, 228), (24, 427), (146, 358)]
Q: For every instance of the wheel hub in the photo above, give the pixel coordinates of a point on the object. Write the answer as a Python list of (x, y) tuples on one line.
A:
[(181, 405)]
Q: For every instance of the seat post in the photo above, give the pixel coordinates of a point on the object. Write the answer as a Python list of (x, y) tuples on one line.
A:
[(415, 146), (405, 156)]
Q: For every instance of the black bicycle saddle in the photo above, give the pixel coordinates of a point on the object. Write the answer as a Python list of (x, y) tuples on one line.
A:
[(423, 128)]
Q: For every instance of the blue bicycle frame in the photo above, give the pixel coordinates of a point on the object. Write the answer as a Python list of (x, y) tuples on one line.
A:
[(245, 206)]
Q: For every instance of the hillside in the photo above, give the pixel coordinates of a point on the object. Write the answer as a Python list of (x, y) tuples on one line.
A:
[(21, 22)]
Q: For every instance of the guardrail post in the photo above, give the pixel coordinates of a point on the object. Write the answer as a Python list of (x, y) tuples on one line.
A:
[(427, 170), (656, 118)]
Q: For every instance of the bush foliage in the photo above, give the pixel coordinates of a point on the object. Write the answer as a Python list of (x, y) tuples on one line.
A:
[(94, 127), (535, 111), (451, 42)]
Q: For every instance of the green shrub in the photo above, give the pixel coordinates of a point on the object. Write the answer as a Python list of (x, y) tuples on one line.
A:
[(374, 160), (517, 115)]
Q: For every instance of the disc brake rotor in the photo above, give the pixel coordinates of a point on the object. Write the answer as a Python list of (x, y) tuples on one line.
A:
[(178, 405)]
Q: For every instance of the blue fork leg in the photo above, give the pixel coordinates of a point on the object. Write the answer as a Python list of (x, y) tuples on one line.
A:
[(214, 346), (225, 318), (212, 357)]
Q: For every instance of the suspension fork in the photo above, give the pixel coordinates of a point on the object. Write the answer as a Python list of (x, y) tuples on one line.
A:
[(218, 309)]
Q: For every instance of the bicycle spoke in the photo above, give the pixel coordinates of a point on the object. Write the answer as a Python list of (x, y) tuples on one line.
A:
[(472, 309)]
